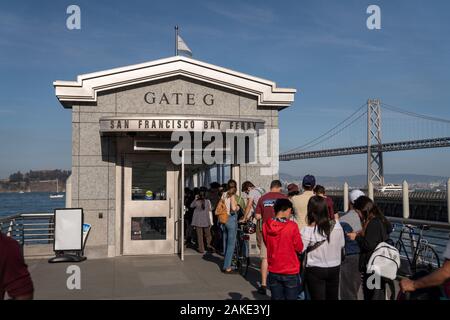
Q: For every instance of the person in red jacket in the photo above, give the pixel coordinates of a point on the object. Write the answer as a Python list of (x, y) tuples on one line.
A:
[(283, 243)]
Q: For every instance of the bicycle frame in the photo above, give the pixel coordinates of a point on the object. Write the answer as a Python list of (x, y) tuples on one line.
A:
[(241, 251), (417, 244)]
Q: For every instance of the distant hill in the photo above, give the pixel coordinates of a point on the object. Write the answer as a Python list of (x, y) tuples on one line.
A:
[(36, 181), (360, 180)]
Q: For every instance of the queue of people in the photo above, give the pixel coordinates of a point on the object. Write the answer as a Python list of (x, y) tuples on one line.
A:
[(307, 250)]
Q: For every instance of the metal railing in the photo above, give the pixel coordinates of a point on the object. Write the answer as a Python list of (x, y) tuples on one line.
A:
[(29, 228), (413, 195), (38, 228)]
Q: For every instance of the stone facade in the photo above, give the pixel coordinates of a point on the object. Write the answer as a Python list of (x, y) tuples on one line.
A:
[(94, 157), (176, 87)]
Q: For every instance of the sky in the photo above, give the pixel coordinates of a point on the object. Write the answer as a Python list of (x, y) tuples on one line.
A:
[(322, 48)]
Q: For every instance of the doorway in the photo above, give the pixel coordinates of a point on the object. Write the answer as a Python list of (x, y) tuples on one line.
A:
[(150, 193)]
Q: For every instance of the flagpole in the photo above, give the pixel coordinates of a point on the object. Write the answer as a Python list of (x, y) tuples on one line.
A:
[(176, 40)]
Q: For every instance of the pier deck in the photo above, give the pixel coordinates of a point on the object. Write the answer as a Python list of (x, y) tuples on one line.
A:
[(145, 277)]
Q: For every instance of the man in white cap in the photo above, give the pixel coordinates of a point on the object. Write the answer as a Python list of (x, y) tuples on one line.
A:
[(350, 277)]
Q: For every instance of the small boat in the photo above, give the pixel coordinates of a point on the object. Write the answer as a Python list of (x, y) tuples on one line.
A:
[(390, 188), (21, 191), (56, 196)]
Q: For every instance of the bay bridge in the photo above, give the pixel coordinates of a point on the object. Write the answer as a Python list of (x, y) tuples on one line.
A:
[(428, 132)]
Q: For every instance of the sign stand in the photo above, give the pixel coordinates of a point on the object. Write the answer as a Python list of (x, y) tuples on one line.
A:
[(70, 235)]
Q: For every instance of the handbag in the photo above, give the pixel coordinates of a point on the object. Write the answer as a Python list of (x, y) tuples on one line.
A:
[(304, 255)]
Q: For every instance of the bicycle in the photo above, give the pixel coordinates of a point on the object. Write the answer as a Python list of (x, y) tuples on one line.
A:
[(241, 255), (422, 256)]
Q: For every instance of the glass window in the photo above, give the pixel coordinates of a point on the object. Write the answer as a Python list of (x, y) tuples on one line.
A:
[(148, 181), (148, 228)]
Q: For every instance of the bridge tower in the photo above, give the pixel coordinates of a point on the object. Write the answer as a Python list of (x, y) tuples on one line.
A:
[(375, 172)]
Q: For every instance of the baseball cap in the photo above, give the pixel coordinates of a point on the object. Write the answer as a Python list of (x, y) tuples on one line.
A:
[(292, 187), (309, 181), (355, 194)]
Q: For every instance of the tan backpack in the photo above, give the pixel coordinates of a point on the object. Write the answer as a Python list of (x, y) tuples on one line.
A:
[(221, 211)]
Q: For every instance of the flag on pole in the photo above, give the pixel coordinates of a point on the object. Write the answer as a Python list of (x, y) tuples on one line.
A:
[(183, 47), (180, 45)]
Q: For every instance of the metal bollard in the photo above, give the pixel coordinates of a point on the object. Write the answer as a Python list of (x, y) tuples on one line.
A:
[(448, 199), (370, 191), (345, 197), (405, 200)]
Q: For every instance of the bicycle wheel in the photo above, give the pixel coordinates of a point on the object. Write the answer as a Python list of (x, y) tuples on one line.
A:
[(427, 259), (244, 259), (235, 261), (405, 268)]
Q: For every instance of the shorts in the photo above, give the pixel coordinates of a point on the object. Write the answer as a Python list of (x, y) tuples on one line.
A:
[(263, 254), (259, 237)]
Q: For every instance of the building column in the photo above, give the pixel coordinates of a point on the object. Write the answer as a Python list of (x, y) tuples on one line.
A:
[(235, 175)]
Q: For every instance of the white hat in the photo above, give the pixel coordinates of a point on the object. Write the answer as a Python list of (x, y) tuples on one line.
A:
[(355, 194)]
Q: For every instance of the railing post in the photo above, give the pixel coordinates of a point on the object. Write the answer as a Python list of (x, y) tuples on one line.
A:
[(370, 190), (405, 200), (345, 197), (10, 228), (448, 199), (69, 192)]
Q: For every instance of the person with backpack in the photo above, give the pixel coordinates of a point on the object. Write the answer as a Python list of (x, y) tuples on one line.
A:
[(265, 212), (201, 220), (227, 211), (283, 243), (323, 240), (376, 229)]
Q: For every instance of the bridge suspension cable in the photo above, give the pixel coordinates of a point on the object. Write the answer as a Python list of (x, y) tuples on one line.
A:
[(400, 138), (412, 114), (313, 142), (354, 117)]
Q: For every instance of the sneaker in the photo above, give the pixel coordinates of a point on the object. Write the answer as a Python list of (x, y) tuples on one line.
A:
[(262, 290), (229, 272)]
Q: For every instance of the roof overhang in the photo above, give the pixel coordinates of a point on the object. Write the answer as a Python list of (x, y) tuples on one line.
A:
[(87, 86)]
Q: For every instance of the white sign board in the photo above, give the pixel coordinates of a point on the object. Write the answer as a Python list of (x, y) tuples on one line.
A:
[(68, 229)]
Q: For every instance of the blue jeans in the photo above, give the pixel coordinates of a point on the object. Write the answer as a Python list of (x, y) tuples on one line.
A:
[(229, 240), (284, 286)]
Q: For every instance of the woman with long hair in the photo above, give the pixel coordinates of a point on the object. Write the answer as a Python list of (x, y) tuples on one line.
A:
[(230, 228), (376, 229), (323, 241), (201, 221)]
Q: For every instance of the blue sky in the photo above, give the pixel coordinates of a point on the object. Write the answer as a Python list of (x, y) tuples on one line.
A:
[(322, 48)]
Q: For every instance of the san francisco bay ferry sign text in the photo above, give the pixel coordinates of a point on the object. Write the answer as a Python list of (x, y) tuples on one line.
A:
[(178, 124)]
